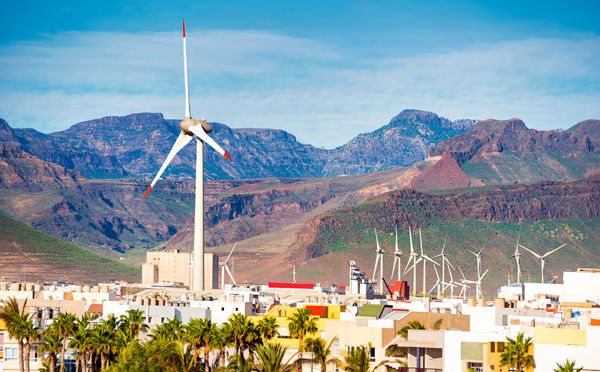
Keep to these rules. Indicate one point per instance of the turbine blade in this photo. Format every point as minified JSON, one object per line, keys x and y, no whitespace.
{"x":394,"y":265}
{"x":396,"y":248}
{"x":530,"y":251}
{"x":375,"y":269}
{"x":201,"y":134}
{"x":483,"y":274}
{"x":182,"y":140}
{"x":554,"y":250}
{"x":229,"y":273}
{"x":230,"y":252}
{"x":412,"y":249}
{"x":421,"y":241}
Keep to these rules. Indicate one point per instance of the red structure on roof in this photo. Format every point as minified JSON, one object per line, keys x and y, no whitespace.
{"x":96,"y":309}
{"x":317,"y":310}
{"x":291,"y":285}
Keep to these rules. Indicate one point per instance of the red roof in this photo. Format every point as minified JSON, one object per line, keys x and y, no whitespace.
{"x":316,"y":310}
{"x":96,"y":309}
{"x":292,"y":285}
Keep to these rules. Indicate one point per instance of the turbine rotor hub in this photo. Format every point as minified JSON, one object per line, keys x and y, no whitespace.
{"x":188,"y":122}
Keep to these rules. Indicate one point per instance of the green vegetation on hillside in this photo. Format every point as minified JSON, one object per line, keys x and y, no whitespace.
{"x":57,"y":258}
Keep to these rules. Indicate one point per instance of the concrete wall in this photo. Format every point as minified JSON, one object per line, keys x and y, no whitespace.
{"x":548,"y":353}
{"x":174,"y":267}
{"x":581,"y":286}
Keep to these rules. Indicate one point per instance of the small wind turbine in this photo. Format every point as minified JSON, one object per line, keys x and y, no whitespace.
{"x":397,"y":259}
{"x":542,"y":258}
{"x":463,"y":285}
{"x":198,"y":129}
{"x":224,"y":268}
{"x":424,"y":258}
{"x":478,"y":255}
{"x":517,"y":256}
{"x":379,"y":260}
{"x":477,"y":284}
{"x":444,"y":261}
{"x":413,"y":259}
{"x":437,"y":283}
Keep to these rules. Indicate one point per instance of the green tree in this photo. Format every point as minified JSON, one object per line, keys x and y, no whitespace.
{"x":270,"y":358}
{"x":65,"y":326}
{"x":321,"y":352}
{"x":238,"y":363}
{"x":51,"y":344}
{"x":243,"y":332}
{"x":15,"y":319}
{"x":301,"y":323}
{"x":267,"y":327}
{"x":516,"y":353}
{"x":30,"y":335}
{"x":135,"y":357}
{"x":200,"y":334}
{"x":172,"y":355}
{"x":222,"y":340}
{"x":568,"y":366}
{"x":171,"y":330}
{"x":132,"y":323}
{"x":357,"y":360}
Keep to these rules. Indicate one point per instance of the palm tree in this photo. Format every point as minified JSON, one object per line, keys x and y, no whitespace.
{"x":171,"y":330}
{"x":267,"y":327}
{"x":78,"y":343}
{"x":568,"y":366}
{"x":221,"y":340}
{"x":416,"y":325}
{"x":15,"y":319}
{"x":301,"y":323}
{"x":52,"y":345}
{"x":516,"y":353}
{"x":237,"y":363}
{"x":321,"y":353}
{"x":357,"y":360}
{"x":270,"y":358}
{"x":200,"y":334}
{"x":65,"y":326}
{"x":173,"y":355}
{"x":243,"y":332}
{"x":133,"y":322}
{"x":30,"y":334}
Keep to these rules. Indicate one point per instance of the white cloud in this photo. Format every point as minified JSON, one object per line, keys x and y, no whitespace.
{"x":320,"y":93}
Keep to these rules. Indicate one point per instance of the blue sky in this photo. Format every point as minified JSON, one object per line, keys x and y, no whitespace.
{"x":323,"y":70}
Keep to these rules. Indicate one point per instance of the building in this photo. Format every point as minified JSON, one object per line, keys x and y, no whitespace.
{"x":176,"y":267}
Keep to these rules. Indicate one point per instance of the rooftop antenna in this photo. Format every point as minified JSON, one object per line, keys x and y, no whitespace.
{"x":542,"y":258}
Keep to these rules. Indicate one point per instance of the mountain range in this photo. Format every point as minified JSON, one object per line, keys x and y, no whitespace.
{"x":83,"y":185}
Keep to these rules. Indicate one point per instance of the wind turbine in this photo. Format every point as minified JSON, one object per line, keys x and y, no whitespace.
{"x":398,"y":259}
{"x":225,"y":268}
{"x":477,"y":283}
{"x":478,"y":255}
{"x":444,"y":261}
{"x":517,"y":256}
{"x":542,"y":258}
{"x":463,"y":285}
{"x":199,"y":129}
{"x":413,"y":259}
{"x":437,"y":283}
{"x":379,"y":260}
{"x":424,"y":258}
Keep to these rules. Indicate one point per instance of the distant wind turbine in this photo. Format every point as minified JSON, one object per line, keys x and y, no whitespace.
{"x":379,"y":252}
{"x":542,"y":258}
{"x":517,"y":256}
{"x":397,"y":259}
{"x":224,"y":268}
{"x":413,"y":259}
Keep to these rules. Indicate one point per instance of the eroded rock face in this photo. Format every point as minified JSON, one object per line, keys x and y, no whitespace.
{"x":404,"y":208}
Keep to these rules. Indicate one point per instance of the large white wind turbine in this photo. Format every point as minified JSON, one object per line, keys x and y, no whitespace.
{"x":225,"y":268}
{"x":379,"y":260}
{"x":542,"y":258}
{"x":517,"y":256}
{"x":462,"y":284}
{"x":413,"y":259}
{"x":199,"y":129}
{"x":397,"y":259}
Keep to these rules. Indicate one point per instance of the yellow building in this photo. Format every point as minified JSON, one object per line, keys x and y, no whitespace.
{"x":491,"y":357}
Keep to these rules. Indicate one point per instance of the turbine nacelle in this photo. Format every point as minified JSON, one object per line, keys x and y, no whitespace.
{"x":187,"y":123}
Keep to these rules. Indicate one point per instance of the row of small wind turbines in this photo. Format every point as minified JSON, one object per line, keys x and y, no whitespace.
{"x":441,"y":284}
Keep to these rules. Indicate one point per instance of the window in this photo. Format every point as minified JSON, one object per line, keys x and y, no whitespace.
{"x":500,"y":347}
{"x":492,"y":347}
{"x":11,"y":353}
{"x":372,"y":353}
{"x":336,"y":346}
{"x":222,"y":309}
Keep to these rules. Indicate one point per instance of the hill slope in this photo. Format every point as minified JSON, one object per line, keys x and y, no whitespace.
{"x":30,"y":255}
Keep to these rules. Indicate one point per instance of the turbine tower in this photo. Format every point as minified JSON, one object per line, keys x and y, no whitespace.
{"x":199,"y":129}
{"x":542,"y":258}
{"x":413,"y":259}
{"x":379,"y":260}
{"x":397,"y":259}
{"x":517,"y":256}
{"x":224,"y":268}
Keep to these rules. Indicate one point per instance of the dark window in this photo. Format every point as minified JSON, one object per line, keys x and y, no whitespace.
{"x":492,"y":347}
{"x":500,"y":347}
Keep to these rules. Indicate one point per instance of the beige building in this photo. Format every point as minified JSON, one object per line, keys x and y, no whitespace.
{"x":175,"y":267}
